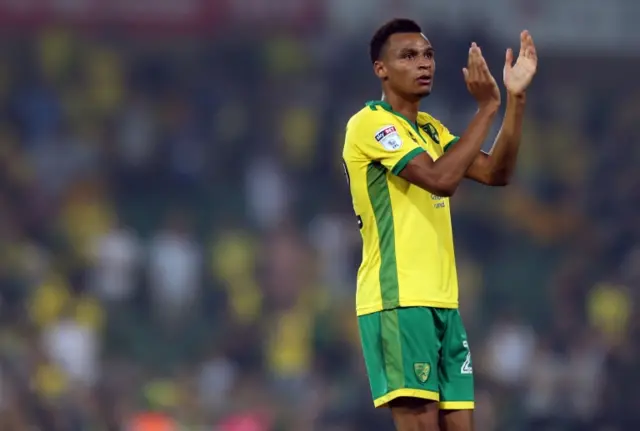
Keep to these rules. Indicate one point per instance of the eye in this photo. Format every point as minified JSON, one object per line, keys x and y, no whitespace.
{"x":429,"y":54}
{"x":408,"y":55}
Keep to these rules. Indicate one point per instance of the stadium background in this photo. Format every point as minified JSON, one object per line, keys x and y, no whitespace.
{"x":176,"y":236}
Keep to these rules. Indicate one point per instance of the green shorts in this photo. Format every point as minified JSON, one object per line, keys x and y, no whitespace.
{"x":418,"y":352}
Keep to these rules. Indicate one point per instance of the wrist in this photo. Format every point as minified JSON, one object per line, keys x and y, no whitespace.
{"x":517,"y":97}
{"x":489,"y":107}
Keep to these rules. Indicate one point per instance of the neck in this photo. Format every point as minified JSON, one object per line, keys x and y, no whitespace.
{"x":405,"y":107}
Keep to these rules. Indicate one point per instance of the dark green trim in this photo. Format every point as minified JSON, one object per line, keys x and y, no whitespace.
{"x":453,"y":141}
{"x":392,"y":350}
{"x":402,"y":163}
{"x":387,"y":107}
{"x":378,"y":189}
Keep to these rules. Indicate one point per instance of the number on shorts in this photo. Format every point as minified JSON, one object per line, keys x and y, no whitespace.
{"x":466,"y":366}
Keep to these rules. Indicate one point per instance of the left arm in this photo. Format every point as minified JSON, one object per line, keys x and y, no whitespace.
{"x":496,"y":167}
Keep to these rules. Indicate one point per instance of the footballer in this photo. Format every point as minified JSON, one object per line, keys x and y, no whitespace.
{"x":402,"y":166}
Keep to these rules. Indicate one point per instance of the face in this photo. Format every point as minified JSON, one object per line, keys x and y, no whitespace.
{"x":407,"y":65}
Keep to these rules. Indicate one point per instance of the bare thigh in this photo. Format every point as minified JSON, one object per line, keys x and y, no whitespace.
{"x":414,"y":414}
{"x":456,"y":420}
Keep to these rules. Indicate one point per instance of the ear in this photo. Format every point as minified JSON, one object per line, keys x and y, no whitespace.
{"x":380,"y":70}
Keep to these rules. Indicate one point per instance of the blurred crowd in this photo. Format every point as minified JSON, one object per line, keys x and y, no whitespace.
{"x":178,"y":249}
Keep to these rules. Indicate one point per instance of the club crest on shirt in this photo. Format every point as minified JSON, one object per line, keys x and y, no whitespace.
{"x":422,"y":370}
{"x":389,"y":138}
{"x":432,"y":132}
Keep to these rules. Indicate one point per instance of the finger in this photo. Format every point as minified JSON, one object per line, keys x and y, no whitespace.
{"x":472,"y":67}
{"x":466,"y":70}
{"x":532,"y":47}
{"x":484,"y":71}
{"x":473,"y":56}
{"x":471,"y":48}
{"x":527,"y":40}
{"x":470,"y":56}
{"x":479,"y":60}
{"x":477,"y":56}
{"x":476,"y":65}
{"x":473,"y":52}
{"x":523,"y":41}
{"x":508,"y":59}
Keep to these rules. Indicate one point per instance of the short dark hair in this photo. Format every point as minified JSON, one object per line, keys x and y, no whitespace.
{"x":382,"y":35}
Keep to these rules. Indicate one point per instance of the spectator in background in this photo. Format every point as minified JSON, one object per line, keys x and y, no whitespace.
{"x":544,"y":397}
{"x":509,"y":350}
{"x":72,"y":341}
{"x":175,"y":269}
{"x":333,"y":237}
{"x":292,"y":307}
{"x":185,"y":144}
{"x":584,"y":379}
{"x":268,"y":193}
{"x":116,"y":257}
{"x":135,"y":135}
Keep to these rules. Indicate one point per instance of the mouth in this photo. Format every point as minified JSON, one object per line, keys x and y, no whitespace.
{"x":424,"y":79}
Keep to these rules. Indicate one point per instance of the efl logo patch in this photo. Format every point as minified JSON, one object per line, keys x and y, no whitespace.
{"x":389,"y":138}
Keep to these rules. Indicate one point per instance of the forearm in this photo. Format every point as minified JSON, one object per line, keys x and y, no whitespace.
{"x":453,"y":165}
{"x":443,"y":176}
{"x":504,"y":152}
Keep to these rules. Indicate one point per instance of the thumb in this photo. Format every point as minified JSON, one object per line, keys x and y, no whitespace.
{"x":465,"y":72}
{"x":508,"y":60}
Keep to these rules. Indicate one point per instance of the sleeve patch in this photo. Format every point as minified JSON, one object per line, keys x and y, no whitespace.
{"x":432,"y":132}
{"x":389,"y":138}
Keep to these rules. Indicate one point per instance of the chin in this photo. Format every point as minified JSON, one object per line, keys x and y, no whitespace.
{"x":423,"y":93}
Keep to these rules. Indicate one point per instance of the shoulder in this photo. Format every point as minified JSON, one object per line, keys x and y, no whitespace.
{"x":369,"y":118}
{"x":370,"y":125}
{"x":432,"y":126}
{"x":424,"y":119}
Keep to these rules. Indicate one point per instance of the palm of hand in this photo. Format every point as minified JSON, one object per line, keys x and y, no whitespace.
{"x":518,"y":77}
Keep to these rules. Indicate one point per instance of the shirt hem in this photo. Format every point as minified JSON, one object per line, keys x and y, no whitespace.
{"x":369,"y":309}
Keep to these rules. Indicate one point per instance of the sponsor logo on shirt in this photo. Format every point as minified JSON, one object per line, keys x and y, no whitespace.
{"x":389,"y":138}
{"x":439,"y":201}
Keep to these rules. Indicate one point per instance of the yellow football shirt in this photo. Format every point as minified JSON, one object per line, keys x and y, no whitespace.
{"x":408,"y":255}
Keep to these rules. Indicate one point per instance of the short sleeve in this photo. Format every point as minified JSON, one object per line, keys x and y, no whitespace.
{"x":387,"y":143}
{"x":447,"y":139}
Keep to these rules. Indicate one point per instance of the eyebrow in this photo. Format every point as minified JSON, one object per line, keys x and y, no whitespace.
{"x":411,"y":49}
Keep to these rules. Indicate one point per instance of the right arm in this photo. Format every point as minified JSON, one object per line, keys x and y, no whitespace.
{"x":442,"y":177}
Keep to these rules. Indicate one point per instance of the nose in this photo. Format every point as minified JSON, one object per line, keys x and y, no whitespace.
{"x":425,"y":64}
